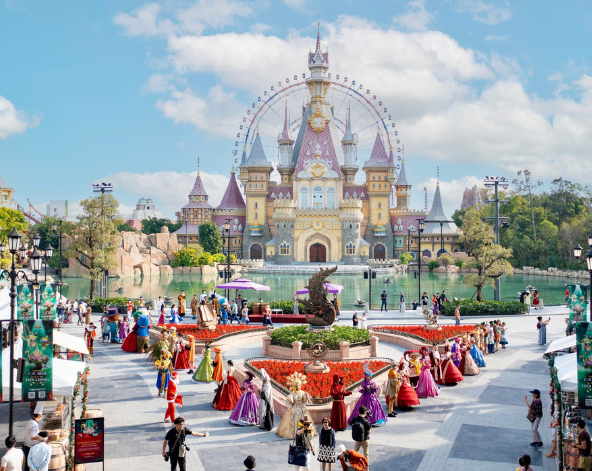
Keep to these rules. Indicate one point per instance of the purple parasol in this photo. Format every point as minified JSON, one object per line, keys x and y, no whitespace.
{"x":330,"y":286}
{"x":243,"y":283}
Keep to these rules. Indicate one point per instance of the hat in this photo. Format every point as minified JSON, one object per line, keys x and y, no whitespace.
{"x":174,"y":374}
{"x":535,"y":391}
{"x":340,"y":450}
{"x":307,"y":419}
{"x":250,"y":462}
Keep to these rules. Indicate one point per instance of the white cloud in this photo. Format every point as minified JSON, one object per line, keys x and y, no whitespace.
{"x":415,"y":17}
{"x":451,"y":192}
{"x":144,"y":21}
{"x":169,"y":190}
{"x":296,"y":4}
{"x":13,"y":121}
{"x":493,"y":37}
{"x":486,"y":13}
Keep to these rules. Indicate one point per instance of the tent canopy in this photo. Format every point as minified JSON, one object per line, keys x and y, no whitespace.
{"x":70,"y":342}
{"x":332,"y":288}
{"x":561,"y":343}
{"x":567,"y":372}
{"x":243,"y":283}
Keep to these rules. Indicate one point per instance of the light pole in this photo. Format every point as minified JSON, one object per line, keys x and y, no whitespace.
{"x":577,"y":254}
{"x":14,"y":240}
{"x":47,"y":257}
{"x":420,"y":229}
{"x":227,"y":274}
{"x":54,"y":229}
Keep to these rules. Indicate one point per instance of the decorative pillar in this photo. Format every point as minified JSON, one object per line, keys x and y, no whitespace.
{"x":373,"y":346}
{"x":344,"y":350}
{"x":296,"y":350}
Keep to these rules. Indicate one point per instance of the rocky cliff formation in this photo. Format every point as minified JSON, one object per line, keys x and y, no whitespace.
{"x":472,"y":197}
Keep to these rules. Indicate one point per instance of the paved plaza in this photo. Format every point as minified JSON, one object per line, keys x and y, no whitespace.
{"x":479,"y":424}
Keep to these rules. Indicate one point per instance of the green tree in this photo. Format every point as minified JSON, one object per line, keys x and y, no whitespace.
{"x":528,"y":186}
{"x":210,"y":237}
{"x":186,"y":258}
{"x":10,"y":218}
{"x":406,"y":258}
{"x":445,"y":260}
{"x":154,"y":225}
{"x":49,"y":238}
{"x":125,"y":227}
{"x":91,"y":244}
{"x":490,"y":259}
{"x":432,"y":264}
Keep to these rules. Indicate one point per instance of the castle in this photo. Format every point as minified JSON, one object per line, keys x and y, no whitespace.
{"x":317,"y":213}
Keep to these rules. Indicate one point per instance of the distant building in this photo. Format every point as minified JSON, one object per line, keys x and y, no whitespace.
{"x":58,"y":208}
{"x":440,"y":235}
{"x":145,"y":209}
{"x":6,"y":195}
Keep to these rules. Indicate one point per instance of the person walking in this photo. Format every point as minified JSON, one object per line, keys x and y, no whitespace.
{"x":424,"y":301}
{"x":355,"y":319}
{"x":351,"y":460}
{"x":234,"y":312}
{"x":40,"y":455}
{"x":402,"y":302}
{"x":327,"y":445}
{"x":535,"y":415}
{"x":457,"y":315}
{"x":583,"y":445}
{"x":361,"y":432}
{"x":542,"y":328}
{"x":194,"y":304}
{"x":383,"y":298}
{"x":303,"y":438}
{"x":175,"y":439}
{"x":31,"y":437}
{"x":13,"y":459}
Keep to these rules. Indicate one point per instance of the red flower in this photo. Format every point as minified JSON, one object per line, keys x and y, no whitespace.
{"x":428,"y":336}
{"x":211,"y":335}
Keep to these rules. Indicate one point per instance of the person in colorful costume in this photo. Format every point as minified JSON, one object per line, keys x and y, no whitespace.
{"x":468,"y":367}
{"x":181,"y":298}
{"x":266,"y":411}
{"x":89,"y":335}
{"x":246,"y":410}
{"x":370,"y":400}
{"x":435,"y":363}
{"x":191,"y":354}
{"x":426,"y":386}
{"x":194,"y":304}
{"x":181,"y":360}
{"x":338,"y":413}
{"x":392,"y":389}
{"x":163,"y":371}
{"x":477,"y":354}
{"x":203,"y":373}
{"x":450,"y":373}
{"x":296,"y":402}
{"x":407,"y":397}
{"x":123,"y":330}
{"x":174,"y":399}
{"x":130,"y":344}
{"x":217,"y":374}
{"x":229,"y":391}
{"x":455,"y":352}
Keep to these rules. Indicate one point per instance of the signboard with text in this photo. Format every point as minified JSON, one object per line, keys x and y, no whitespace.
{"x":584,"y":357}
{"x":25,"y":306}
{"x":578,"y":295}
{"x":47,"y":301}
{"x":89,"y":440}
{"x":38,"y":354}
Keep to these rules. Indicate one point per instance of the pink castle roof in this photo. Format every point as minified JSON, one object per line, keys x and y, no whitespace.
{"x":355,"y":192}
{"x":237,"y":223}
{"x":406,"y":222}
{"x":198,"y":188}
{"x":309,"y":147}
{"x":378,"y":157}
{"x":286,"y":192}
{"x":232,"y":198}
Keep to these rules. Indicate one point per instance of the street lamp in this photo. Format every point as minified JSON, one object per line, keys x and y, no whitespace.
{"x":59,"y":235}
{"x":577,"y":250}
{"x":420,"y":229}
{"x":227,"y":274}
{"x":36,"y":240}
{"x":14,"y":241}
{"x":47,"y":256}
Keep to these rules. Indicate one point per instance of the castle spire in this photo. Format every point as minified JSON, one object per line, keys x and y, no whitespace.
{"x":318,"y":37}
{"x":285,"y":137}
{"x":349,"y":135}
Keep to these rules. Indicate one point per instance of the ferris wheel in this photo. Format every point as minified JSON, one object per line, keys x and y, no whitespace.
{"x":368,"y":116}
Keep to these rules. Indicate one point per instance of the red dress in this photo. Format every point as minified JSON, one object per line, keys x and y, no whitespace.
{"x":338,"y":413}
{"x":230,"y":394}
{"x":407,"y":396}
{"x":450,"y":373}
{"x":182,"y":361}
{"x":130,"y":344}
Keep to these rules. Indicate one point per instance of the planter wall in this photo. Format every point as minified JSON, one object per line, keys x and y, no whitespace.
{"x":296,"y":352}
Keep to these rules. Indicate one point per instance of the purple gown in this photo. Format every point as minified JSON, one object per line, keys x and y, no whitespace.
{"x":368,"y":399}
{"x":426,"y":386}
{"x":245,"y":412}
{"x":456,"y":356}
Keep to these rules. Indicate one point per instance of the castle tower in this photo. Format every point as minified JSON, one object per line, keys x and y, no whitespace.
{"x":351,"y":220}
{"x":234,"y":209}
{"x":318,"y":64}
{"x":286,"y":148}
{"x":403,"y":190}
{"x":349,"y":144}
{"x":194,"y":213}
{"x":441,"y":232}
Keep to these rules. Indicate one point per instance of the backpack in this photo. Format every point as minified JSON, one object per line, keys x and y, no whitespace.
{"x":358,"y":432}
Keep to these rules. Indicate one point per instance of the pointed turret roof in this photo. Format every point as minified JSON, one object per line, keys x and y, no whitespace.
{"x":318,"y":37}
{"x":402,"y":180}
{"x":198,"y":188}
{"x":257,"y":156}
{"x":4,"y":185}
{"x":349,"y":136}
{"x":232,"y":198}
{"x":378,"y":157}
{"x":437,"y":216}
{"x":243,"y":161}
{"x":285,"y":137}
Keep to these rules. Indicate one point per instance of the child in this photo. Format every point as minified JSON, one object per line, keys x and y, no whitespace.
{"x":123,"y":329}
{"x":89,"y":336}
{"x":161,"y":318}
{"x":106,"y":327}
{"x":504,"y":340}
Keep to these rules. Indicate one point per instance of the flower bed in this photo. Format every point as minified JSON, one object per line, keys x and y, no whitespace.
{"x":284,"y":336}
{"x":420,"y":333}
{"x":220,"y":332}
{"x":318,"y":385}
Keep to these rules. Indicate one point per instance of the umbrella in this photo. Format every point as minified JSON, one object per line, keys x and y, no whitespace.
{"x":330,"y":286}
{"x":243,"y":283}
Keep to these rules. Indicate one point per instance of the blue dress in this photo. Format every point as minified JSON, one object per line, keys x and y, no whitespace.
{"x":543,"y":334}
{"x":478,"y":356}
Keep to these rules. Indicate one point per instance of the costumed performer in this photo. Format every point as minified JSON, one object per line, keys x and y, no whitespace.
{"x":455,"y":352}
{"x":173,"y":399}
{"x":123,"y":330}
{"x":351,"y":460}
{"x":450,"y":373}
{"x":191,"y":354}
{"x":246,"y":410}
{"x":338,"y":413}
{"x":426,"y":386}
{"x":181,"y":298}
{"x":407,"y":397}
{"x":114,"y":327}
{"x":130,"y":344}
{"x":181,"y":354}
{"x":230,"y":390}
{"x":163,"y":371}
{"x":468,"y":365}
{"x":161,"y":318}
{"x":265,"y":411}
{"x":203,"y":373}
{"x":370,"y":401}
{"x":392,"y":389}
{"x":194,"y":304}
{"x":218,"y":366}
{"x":435,"y":363}
{"x":416,"y":365}
{"x":477,"y":354}
{"x":89,"y":335}
{"x":296,"y":402}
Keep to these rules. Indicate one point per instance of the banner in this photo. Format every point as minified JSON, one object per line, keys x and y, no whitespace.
{"x":25,"y":308}
{"x":584,"y":353}
{"x":578,"y":306}
{"x":38,"y":353}
{"x":48,"y":307}
{"x":89,"y":440}
{"x":1,"y":364}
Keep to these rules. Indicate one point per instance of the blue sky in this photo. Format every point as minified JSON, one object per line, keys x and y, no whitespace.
{"x":133,"y":92}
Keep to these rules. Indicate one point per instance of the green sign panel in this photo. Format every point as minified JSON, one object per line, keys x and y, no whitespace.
{"x":48,"y":305}
{"x":25,"y":306}
{"x":578,"y":305}
{"x":38,"y":354}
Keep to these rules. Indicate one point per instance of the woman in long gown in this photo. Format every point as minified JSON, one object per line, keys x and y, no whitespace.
{"x":426,"y":386}
{"x":130,"y":344}
{"x":203,"y":373}
{"x":369,"y":399}
{"x":265,"y":411}
{"x":407,"y":397}
{"x":230,"y":391}
{"x":542,"y":326}
{"x":296,"y":402}
{"x":245,"y":411}
{"x":468,"y":365}
{"x":450,"y":373}
{"x":181,"y":355}
{"x":338,"y":414}
{"x":477,"y":355}
{"x":218,"y":366}
{"x":392,"y":389}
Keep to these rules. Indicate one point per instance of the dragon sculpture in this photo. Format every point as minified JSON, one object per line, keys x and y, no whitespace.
{"x":318,"y":304}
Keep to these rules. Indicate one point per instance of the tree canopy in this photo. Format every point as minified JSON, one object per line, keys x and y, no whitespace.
{"x":154,"y":225}
{"x":210,"y":237}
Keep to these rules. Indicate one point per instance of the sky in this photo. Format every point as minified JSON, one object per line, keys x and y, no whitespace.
{"x":132,"y":92}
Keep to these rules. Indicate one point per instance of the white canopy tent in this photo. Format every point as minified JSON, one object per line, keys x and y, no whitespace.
{"x":561,"y":343}
{"x":567,"y":372}
{"x":65,"y":374}
{"x":70,"y":342}
{"x":4,"y":304}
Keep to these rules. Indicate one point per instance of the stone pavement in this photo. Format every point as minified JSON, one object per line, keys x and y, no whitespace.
{"x":478,"y":424}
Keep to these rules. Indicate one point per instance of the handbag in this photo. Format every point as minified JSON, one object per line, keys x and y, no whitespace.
{"x":531,"y":416}
{"x":297,"y":455}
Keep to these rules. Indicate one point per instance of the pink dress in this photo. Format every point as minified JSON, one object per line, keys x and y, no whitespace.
{"x":426,"y":386}
{"x":123,"y":331}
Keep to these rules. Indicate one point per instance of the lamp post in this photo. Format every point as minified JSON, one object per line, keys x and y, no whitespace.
{"x":54,"y":229}
{"x":577,"y":254}
{"x":14,"y":240}
{"x":47,"y":257}
{"x":420,"y":229}
{"x":227,"y":274}
{"x":186,"y":228}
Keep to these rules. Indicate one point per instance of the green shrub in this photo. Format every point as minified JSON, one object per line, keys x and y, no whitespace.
{"x":287,"y":306}
{"x":186,"y":258}
{"x":98,"y":304}
{"x":469,"y":307}
{"x":219,"y":258}
{"x":286,"y":335}
{"x":459,"y":263}
{"x":205,"y":259}
{"x":432,"y":264}
{"x":405,"y":258}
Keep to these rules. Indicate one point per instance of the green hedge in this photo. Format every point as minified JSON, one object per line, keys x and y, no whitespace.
{"x":286,"y":335}
{"x":469,"y":307}
{"x":287,"y":306}
{"x":98,"y":304}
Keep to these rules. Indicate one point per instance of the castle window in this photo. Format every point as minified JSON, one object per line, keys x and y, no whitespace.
{"x":250,"y":186}
{"x":331,"y":198}
{"x":317,"y":198}
{"x":379,"y":177}
{"x":256,"y":205}
{"x":304,"y":198}
{"x":379,"y":205}
{"x":379,"y":216}
{"x":350,"y":249}
{"x":256,"y":216}
{"x":285,"y":249}
{"x":250,"y":177}
{"x":256,"y":177}
{"x":373,"y":186}
{"x":379,"y":186}
{"x":373,"y":177}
